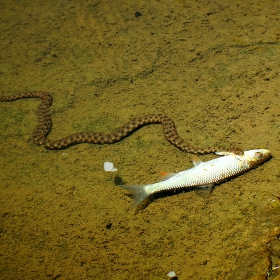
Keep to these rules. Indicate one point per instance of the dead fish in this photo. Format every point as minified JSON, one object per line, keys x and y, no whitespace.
{"x":203,"y":174}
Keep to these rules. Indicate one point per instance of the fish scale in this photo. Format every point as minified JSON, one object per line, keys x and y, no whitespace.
{"x":203,"y":173}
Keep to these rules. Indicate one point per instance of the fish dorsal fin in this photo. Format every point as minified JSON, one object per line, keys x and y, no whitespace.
{"x":196,"y":160}
{"x":164,"y":175}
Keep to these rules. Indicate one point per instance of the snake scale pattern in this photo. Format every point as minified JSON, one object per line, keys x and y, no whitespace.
{"x":45,"y":125}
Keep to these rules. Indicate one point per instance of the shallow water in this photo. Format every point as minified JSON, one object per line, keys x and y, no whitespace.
{"x":213,"y":67}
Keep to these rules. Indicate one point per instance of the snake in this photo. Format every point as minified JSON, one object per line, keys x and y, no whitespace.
{"x":45,"y":125}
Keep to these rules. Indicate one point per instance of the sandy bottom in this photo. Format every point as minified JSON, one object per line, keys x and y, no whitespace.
{"x":212,"y":66}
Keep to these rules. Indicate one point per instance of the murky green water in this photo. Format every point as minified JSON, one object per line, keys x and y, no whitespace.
{"x":212,"y":67}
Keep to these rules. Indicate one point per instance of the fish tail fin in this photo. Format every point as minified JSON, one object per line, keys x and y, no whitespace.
{"x":138,"y":193}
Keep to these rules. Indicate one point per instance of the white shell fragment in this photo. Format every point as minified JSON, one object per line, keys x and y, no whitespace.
{"x":109,"y":167}
{"x":171,"y":274}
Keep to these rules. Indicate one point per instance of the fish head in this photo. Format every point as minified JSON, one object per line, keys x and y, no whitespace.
{"x":256,"y":157}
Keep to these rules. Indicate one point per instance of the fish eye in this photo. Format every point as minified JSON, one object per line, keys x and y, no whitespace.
{"x":258,"y":155}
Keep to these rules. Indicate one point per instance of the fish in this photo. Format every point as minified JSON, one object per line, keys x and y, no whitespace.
{"x":203,"y":174}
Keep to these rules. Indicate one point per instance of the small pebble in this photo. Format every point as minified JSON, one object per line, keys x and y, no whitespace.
{"x":109,"y":167}
{"x":171,"y":274}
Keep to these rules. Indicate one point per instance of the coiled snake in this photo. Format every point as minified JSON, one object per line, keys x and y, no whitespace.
{"x":45,"y":125}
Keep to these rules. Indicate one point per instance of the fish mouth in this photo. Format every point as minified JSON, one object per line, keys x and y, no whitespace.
{"x":266,"y":154}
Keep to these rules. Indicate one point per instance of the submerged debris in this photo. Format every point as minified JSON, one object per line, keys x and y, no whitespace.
{"x":109,"y":167}
{"x":171,"y":274}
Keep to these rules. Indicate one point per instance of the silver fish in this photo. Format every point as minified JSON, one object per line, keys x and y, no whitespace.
{"x":203,"y":174}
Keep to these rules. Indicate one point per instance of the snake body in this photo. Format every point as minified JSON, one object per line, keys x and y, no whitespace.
{"x":45,"y":125}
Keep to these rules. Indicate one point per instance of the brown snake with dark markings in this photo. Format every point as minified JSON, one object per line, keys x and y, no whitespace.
{"x":45,"y":125}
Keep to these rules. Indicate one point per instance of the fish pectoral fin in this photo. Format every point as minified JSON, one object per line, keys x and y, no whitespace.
{"x":164,"y":175}
{"x":204,"y":191}
{"x":196,"y":160}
